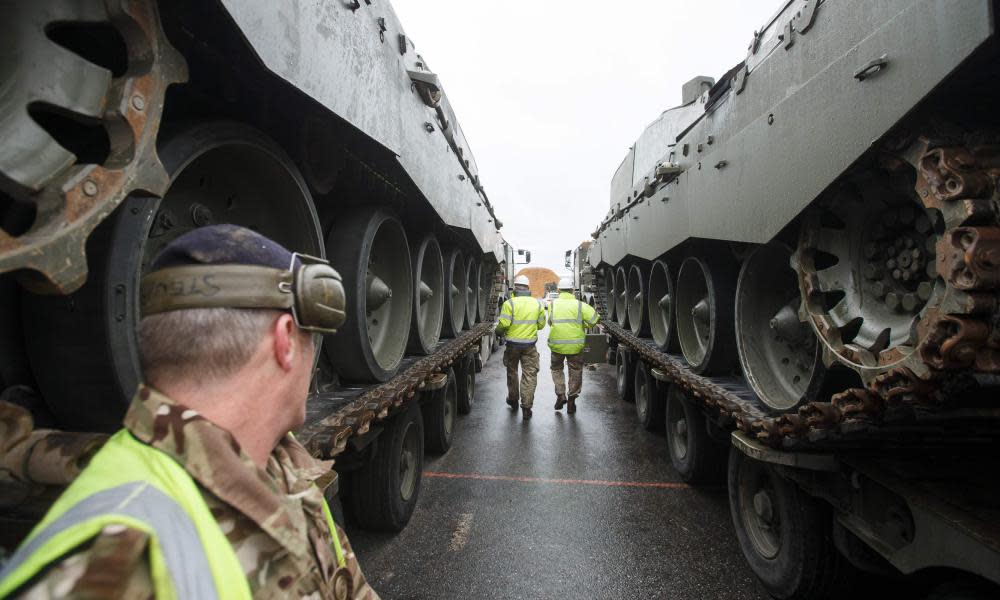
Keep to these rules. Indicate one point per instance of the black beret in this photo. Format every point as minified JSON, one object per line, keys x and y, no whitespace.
{"x":223,"y":245}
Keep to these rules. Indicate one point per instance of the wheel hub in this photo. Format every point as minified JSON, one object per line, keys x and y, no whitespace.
{"x":763,"y":506}
{"x":778,"y":351}
{"x":758,"y":509}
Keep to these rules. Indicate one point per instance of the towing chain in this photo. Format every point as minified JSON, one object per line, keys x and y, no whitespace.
{"x":960,"y":337}
{"x":328,"y":437}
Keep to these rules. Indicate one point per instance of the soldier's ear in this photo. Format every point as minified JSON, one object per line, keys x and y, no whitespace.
{"x":286,"y":342}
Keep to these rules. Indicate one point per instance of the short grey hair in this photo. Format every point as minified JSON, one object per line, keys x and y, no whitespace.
{"x":201,"y":343}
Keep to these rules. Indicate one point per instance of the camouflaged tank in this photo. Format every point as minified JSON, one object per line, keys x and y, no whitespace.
{"x":126,"y":123}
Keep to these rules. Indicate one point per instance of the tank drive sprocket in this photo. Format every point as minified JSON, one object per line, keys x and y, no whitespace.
{"x":898,"y":266}
{"x":83,"y":99}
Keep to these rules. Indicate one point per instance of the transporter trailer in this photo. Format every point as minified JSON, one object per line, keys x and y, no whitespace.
{"x":799,"y":275}
{"x":126,"y":123}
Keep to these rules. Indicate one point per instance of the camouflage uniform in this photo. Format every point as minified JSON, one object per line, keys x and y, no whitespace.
{"x":575,"y":364}
{"x":527,"y":356}
{"x":273,"y":517}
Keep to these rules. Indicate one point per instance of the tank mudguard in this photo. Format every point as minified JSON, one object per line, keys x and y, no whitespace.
{"x":355,"y":59}
{"x":817,"y":91}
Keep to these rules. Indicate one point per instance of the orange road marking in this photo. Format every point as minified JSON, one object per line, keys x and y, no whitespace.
{"x":661,"y":485}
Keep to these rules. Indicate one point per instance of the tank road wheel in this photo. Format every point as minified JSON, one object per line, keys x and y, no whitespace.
{"x":439,"y":416}
{"x":609,"y":294}
{"x":648,"y":400}
{"x":83,"y":346}
{"x":786,"y":536}
{"x":636,"y":297}
{"x":621,"y":296}
{"x":428,"y":296}
{"x":455,"y":293}
{"x":661,"y":307}
{"x":385,"y":490}
{"x":466,"y":384}
{"x":83,"y":94}
{"x":472,"y":270}
{"x":368,"y":248}
{"x":696,"y":457}
{"x":705,"y":315}
{"x":779,"y":353}
{"x":624,"y":375}
{"x":867,"y":270}
{"x":487,"y":272}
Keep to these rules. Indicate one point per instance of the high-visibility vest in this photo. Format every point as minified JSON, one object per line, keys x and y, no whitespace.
{"x":520,"y":319}
{"x":133,"y":484}
{"x":568,"y":320}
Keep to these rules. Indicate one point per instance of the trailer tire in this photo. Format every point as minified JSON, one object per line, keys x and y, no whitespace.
{"x":625,"y":376}
{"x":793,"y":561}
{"x":648,"y":399}
{"x":439,"y":413}
{"x":466,"y":385}
{"x":385,"y":491}
{"x":696,"y":457}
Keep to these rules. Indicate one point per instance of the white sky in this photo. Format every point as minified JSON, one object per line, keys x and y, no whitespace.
{"x":552,"y":93}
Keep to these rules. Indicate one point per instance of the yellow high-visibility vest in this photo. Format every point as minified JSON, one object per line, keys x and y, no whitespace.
{"x":133,"y":484}
{"x":520,"y":319}
{"x":569,"y":319}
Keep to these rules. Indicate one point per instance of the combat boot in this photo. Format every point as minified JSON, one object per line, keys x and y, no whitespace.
{"x":512,"y":403}
{"x":560,"y":401}
{"x":526,"y":412}
{"x":572,"y":405}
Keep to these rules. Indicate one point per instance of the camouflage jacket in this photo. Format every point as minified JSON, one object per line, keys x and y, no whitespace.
{"x":272,"y":517}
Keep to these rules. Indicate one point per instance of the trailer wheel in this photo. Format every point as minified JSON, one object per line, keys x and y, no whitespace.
{"x":624,"y":373}
{"x":648,"y":402}
{"x":466,"y":385}
{"x":386,"y":489}
{"x":439,"y":416}
{"x":784,"y":534}
{"x":696,"y":457}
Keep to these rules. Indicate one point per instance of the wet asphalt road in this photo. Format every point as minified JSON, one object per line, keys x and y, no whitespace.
{"x":492,"y":523}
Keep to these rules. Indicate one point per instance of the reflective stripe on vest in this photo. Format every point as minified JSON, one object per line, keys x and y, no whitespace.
{"x":567,"y":334}
{"x":578,"y":319}
{"x":175,"y":532}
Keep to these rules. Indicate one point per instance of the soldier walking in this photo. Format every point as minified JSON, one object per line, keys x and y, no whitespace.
{"x":520,"y":319}
{"x":204,"y":493}
{"x":569,"y":319}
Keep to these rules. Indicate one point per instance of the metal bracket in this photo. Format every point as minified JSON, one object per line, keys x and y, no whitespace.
{"x":435,"y":381}
{"x":800,"y":460}
{"x":807,"y":16}
{"x":872,"y":67}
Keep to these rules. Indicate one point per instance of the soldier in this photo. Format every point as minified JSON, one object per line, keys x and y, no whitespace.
{"x":520,"y":319}
{"x":205,"y":493}
{"x":569,"y":319}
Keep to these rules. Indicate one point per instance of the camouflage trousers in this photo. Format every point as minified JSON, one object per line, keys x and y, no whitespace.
{"x":527,"y":357}
{"x":575,"y":364}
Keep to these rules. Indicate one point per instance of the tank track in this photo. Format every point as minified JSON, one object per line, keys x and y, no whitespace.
{"x":959,"y":354}
{"x":329,"y":436}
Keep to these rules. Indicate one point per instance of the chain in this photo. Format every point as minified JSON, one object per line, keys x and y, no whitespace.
{"x":328,"y":437}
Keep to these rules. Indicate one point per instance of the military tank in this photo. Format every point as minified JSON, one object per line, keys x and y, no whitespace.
{"x":126,"y":123}
{"x":802,"y":259}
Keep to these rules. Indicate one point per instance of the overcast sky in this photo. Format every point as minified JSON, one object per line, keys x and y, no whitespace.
{"x":551,"y":94}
